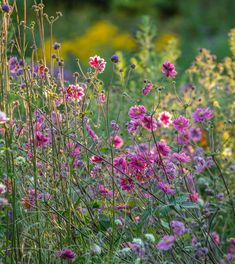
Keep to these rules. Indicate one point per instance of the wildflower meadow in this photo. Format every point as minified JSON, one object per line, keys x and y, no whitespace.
{"x":130,"y":160}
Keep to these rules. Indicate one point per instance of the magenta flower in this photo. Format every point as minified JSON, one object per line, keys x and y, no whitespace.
{"x":202,"y":114}
{"x":96,"y":159}
{"x":182,"y":157}
{"x":184,"y":137}
{"x":3,"y":118}
{"x":127,"y":184}
{"x":91,"y":133}
{"x":181,"y":123}
{"x":168,"y":69}
{"x":165,"y":118}
{"x":193,"y":197}
{"x":163,"y":148}
{"x":75,"y":92}
{"x":166,"y":188}
{"x":117,"y":141}
{"x":150,"y":123}
{"x":98,"y":63}
{"x":66,"y":254}
{"x":137,"y":112}
{"x":178,"y":227}
{"x":105,"y":191}
{"x":216,"y":238}
{"x":148,"y":87}
{"x":132,"y":126}
{"x":166,"y":243}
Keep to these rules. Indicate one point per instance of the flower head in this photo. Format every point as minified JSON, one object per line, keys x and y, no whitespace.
{"x":117,"y":141}
{"x":165,"y":119}
{"x":181,"y":123}
{"x":181,"y":157}
{"x":115,"y":58}
{"x":150,"y":123}
{"x":202,"y":114}
{"x":2,"y":188}
{"x":6,"y":8}
{"x":166,"y":188}
{"x":168,"y":69}
{"x":75,"y":92}
{"x":98,"y":63}
{"x":148,"y":87}
{"x":66,"y":254}
{"x":3,"y":118}
{"x":178,"y":228}
{"x":137,"y":112}
{"x":166,"y":243}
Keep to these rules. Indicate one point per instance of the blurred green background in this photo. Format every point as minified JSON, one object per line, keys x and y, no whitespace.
{"x":103,"y":27}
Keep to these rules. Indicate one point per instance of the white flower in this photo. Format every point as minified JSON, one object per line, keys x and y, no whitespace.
{"x":150,"y":237}
{"x":2,"y":188}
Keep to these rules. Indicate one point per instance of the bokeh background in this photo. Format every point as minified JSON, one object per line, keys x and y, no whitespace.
{"x":103,"y":27}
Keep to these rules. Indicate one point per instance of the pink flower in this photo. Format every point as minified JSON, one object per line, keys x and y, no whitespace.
{"x":216,"y":238}
{"x":165,"y":119}
{"x":163,"y":148}
{"x":181,"y":157}
{"x":3,"y":118}
{"x":148,"y":87}
{"x":91,"y":133}
{"x":75,"y":92}
{"x":98,"y":63}
{"x":184,"y":137}
{"x":96,"y":159}
{"x":166,"y":243}
{"x":102,"y":98}
{"x":181,"y":123}
{"x":166,"y":188}
{"x":150,"y":123}
{"x":193,"y":197}
{"x":168,"y":69}
{"x":195,"y":133}
{"x":117,"y":141}
{"x":66,"y":254}
{"x":137,"y":112}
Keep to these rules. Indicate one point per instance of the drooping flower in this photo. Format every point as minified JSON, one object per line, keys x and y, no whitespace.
{"x":137,"y":112}
{"x":166,"y":188}
{"x":96,"y":159}
{"x":3,"y":118}
{"x":91,"y":133}
{"x":178,"y":227}
{"x":181,"y":123}
{"x":148,"y":87}
{"x":98,"y":63}
{"x":150,"y":123}
{"x":166,"y":243}
{"x":66,"y":254}
{"x":165,"y":119}
{"x":75,"y":92}
{"x":168,"y":69}
{"x":181,"y":157}
{"x":202,"y":114}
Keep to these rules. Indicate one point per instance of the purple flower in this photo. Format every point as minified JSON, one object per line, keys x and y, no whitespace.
{"x":115,"y":58}
{"x":181,"y":123}
{"x":91,"y":133}
{"x":137,"y":112}
{"x":163,"y":148}
{"x":168,"y":69}
{"x":178,"y":228}
{"x":202,"y":114}
{"x":166,"y":243}
{"x":13,"y":66}
{"x":181,"y":157}
{"x":184,"y":137}
{"x":66,"y":254}
{"x":132,"y":126}
{"x":195,"y":133}
{"x":166,"y":188}
{"x":6,"y":8}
